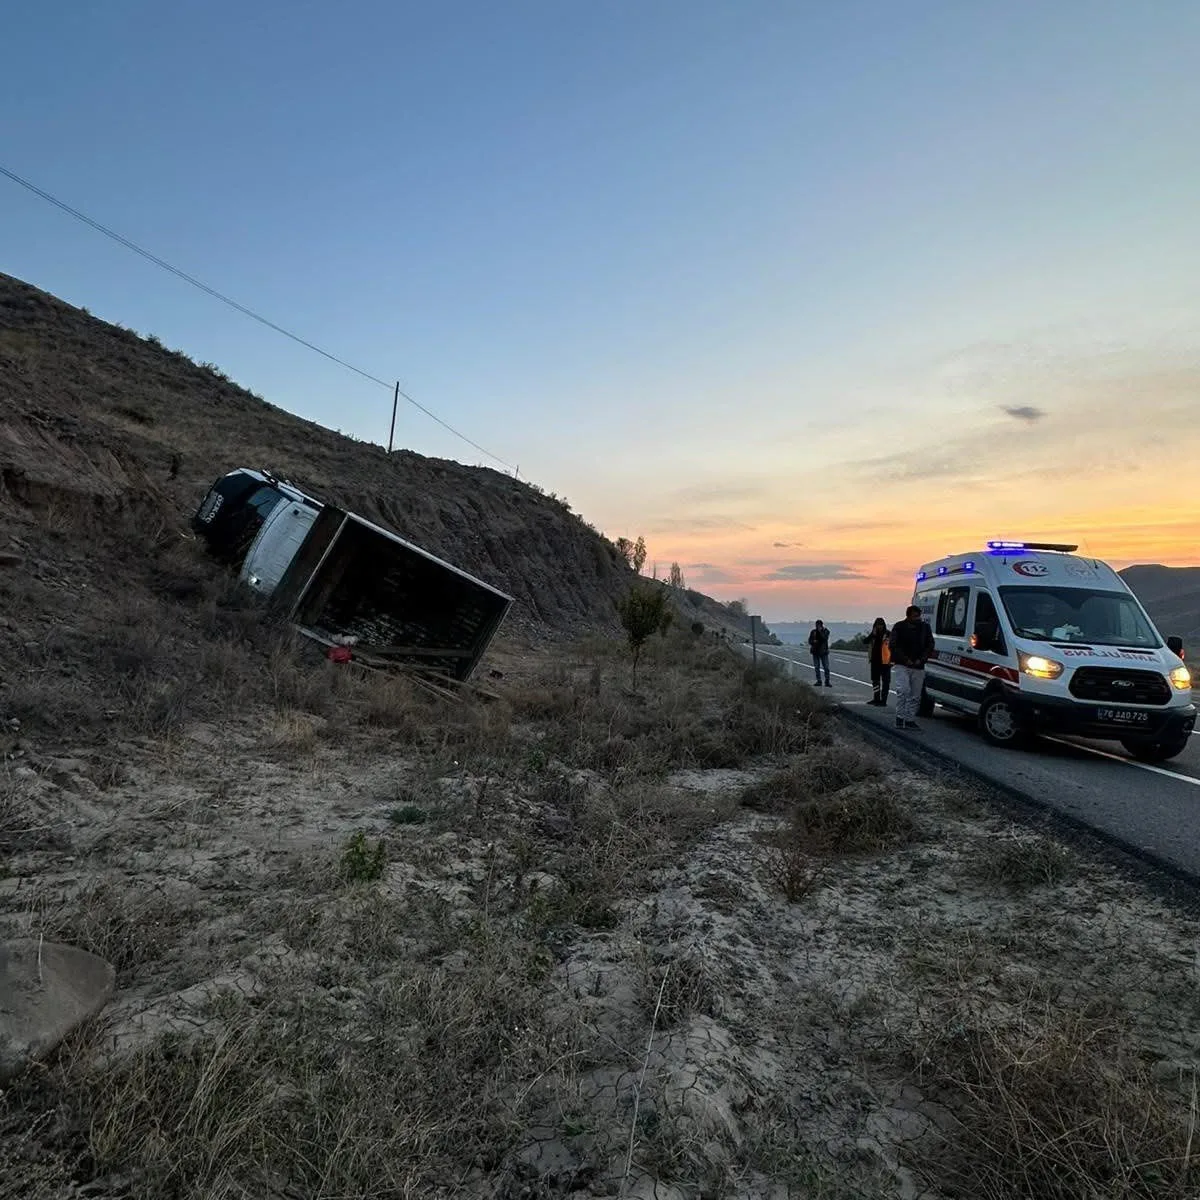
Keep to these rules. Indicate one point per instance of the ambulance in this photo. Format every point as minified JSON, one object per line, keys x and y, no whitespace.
{"x":1032,"y":638}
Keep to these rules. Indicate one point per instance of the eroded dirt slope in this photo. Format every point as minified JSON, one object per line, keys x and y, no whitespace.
{"x":94,"y":415}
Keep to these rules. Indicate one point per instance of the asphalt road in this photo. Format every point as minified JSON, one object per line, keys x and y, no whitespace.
{"x":1153,"y":810}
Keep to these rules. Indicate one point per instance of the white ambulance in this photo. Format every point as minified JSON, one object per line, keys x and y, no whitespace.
{"x":1030,"y":637}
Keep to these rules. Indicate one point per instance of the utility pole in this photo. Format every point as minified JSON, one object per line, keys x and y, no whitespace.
{"x":754,"y":639}
{"x":395,"y":404}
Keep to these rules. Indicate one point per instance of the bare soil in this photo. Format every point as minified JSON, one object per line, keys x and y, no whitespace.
{"x":544,"y":946}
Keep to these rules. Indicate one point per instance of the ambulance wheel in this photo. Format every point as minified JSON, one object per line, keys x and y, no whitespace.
{"x":1151,"y":752}
{"x":925,"y":705}
{"x":998,"y":722}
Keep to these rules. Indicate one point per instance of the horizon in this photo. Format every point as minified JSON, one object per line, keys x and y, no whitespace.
{"x":804,"y":297}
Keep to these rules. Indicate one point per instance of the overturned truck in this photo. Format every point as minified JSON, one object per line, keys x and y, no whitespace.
{"x":341,"y":579}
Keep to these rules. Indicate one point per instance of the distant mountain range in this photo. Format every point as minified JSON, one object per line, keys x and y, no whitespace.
{"x":795,"y":633}
{"x":1172,"y":598}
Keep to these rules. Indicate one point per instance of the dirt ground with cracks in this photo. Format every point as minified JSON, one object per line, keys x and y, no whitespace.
{"x":697,"y":942}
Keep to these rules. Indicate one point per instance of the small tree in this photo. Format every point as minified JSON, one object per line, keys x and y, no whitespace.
{"x":644,"y":611}
{"x":639,"y":554}
{"x":625,"y":550}
{"x":676,"y":577}
{"x":738,"y":608}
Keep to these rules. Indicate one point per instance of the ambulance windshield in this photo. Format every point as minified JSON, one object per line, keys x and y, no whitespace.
{"x":1066,"y":614}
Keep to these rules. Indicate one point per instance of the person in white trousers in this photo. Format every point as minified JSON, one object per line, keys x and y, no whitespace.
{"x":911,"y":644}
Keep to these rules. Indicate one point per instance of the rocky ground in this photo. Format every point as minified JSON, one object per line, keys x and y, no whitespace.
{"x":697,"y":942}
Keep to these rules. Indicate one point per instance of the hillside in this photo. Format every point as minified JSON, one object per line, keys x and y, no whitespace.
{"x":99,"y":419}
{"x":95,"y":415}
{"x":1171,"y":596}
{"x":108,"y":441}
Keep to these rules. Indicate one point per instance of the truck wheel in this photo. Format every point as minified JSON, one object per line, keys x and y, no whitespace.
{"x":998,"y":723}
{"x":925,"y":704}
{"x":1153,"y":752}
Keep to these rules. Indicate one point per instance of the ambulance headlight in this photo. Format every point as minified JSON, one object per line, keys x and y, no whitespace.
{"x":1181,"y":678}
{"x":1039,"y":667}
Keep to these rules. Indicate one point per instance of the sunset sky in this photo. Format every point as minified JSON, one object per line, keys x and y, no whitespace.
{"x":806,"y":293}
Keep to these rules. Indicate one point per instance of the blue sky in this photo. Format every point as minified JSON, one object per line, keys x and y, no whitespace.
{"x":704,"y":268}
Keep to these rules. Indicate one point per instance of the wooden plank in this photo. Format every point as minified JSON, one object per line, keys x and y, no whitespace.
{"x":412,"y":651}
{"x":419,"y":680}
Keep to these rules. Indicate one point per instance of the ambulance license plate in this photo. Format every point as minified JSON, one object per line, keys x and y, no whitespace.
{"x":1122,"y":716}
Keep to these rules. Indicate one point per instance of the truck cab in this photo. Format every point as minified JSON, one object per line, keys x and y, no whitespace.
{"x":234,"y":516}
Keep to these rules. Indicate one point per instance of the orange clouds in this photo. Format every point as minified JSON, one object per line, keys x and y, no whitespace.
{"x":1096,"y":449}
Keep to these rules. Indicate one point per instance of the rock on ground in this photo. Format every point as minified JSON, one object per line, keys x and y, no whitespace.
{"x":46,"y":991}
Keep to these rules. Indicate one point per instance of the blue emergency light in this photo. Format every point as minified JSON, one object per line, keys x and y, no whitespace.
{"x":1008,"y":547}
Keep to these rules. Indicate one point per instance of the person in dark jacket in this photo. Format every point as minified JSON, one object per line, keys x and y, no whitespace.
{"x":818,"y":647}
{"x":879,"y":654}
{"x":911,"y":645}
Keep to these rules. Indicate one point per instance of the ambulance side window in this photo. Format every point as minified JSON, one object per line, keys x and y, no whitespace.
{"x":952,"y":612}
{"x":987,"y":635}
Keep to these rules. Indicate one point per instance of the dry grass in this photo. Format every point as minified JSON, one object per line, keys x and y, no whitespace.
{"x":1021,"y":862}
{"x":863,"y":818}
{"x":425,"y":1074}
{"x":866,"y":818}
{"x":130,"y":923}
{"x":604,"y":843}
{"x":410,"y":1041}
{"x":22,"y":828}
{"x":697,"y":708}
{"x":1058,"y":1105}
{"x":793,"y":867}
{"x":823,"y":770}
{"x":675,"y":986}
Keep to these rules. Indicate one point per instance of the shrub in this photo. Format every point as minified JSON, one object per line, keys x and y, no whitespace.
{"x":854,"y":820}
{"x":644,"y":611}
{"x":823,"y":770}
{"x":1027,"y":862}
{"x":360,"y":862}
{"x":408,"y":814}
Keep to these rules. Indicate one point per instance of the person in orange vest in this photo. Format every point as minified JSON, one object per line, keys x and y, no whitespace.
{"x":880,"y":655}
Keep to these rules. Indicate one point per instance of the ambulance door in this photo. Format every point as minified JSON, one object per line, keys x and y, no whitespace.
{"x":989,"y":645}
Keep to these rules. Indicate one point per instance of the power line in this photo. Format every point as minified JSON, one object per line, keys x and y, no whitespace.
{"x":166,"y":266}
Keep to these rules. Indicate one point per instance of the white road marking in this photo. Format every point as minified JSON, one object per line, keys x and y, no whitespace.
{"x":1129,"y":762}
{"x":851,"y":679}
{"x":798,"y":663}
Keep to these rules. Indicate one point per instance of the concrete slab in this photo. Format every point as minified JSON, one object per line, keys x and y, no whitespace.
{"x":46,"y":991}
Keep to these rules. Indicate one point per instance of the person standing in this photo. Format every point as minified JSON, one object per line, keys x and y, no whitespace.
{"x":911,"y":646}
{"x":879,"y":654}
{"x":818,"y":647}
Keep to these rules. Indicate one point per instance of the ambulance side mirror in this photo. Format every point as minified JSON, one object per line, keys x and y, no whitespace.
{"x":1175,"y":645}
